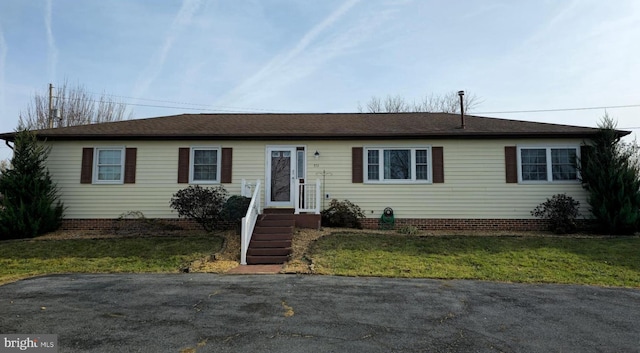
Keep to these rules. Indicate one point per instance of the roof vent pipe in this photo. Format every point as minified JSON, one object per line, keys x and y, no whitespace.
{"x":461,"y":94}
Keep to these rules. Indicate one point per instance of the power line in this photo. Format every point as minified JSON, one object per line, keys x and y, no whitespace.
{"x":207,"y":107}
{"x":560,"y":109}
{"x":212,"y":107}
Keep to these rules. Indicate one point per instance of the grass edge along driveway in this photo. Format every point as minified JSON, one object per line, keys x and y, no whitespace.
{"x":33,"y":257}
{"x":602,"y":261}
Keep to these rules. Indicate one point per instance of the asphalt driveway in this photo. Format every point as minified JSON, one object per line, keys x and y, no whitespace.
{"x":287,"y":313}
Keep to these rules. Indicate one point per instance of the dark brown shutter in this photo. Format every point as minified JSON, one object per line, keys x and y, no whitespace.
{"x":183,"y":165}
{"x":511,"y":163}
{"x":130,"y":165}
{"x":86,"y":166}
{"x":227,"y":158}
{"x":356,"y":165}
{"x":437,"y":159}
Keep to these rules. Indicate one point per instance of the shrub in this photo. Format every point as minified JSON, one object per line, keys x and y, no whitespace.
{"x":203,"y":205}
{"x":561,"y":212}
{"x":235,"y":208}
{"x":29,"y":204}
{"x":611,"y":174}
{"x":342,"y":214}
{"x":135,"y":223}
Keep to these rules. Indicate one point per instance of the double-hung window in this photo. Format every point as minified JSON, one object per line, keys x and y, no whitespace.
{"x":397,"y":165}
{"x":205,"y":165}
{"x":109,"y":165}
{"x":548,"y":164}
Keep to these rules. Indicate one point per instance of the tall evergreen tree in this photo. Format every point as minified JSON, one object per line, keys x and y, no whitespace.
{"x":30,"y":204}
{"x":611,"y":174}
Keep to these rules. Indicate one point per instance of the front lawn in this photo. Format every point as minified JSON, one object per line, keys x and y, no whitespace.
{"x":596,"y":261}
{"x":20,"y":259}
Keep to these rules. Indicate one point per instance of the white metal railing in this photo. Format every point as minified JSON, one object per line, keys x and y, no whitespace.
{"x":249,"y":221}
{"x":307,"y":197}
{"x":246,"y":189}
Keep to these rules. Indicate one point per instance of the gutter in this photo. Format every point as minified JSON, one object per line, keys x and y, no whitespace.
{"x":317,"y":137}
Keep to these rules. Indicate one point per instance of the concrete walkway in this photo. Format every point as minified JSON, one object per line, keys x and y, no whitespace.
{"x":198,"y":313}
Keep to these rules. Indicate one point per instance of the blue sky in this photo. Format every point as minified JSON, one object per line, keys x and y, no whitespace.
{"x":327,"y":56}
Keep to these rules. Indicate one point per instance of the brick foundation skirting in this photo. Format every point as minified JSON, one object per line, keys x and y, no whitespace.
{"x":302,"y":221}
{"x":368,"y":223}
{"x":464,"y":224}
{"x":110,"y":223}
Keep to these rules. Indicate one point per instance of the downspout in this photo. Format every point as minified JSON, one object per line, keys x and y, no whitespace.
{"x":6,"y":142}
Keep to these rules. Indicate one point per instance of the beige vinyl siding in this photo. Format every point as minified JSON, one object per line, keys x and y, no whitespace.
{"x":474,"y":187}
{"x":474,"y":172}
{"x":156,"y":177}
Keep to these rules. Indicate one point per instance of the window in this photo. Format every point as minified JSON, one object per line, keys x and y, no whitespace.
{"x":563,"y":163}
{"x":398,"y":164}
{"x":301,"y":163}
{"x":373,"y":166}
{"x":204,"y":167}
{"x":540,"y":164}
{"x":109,"y":165}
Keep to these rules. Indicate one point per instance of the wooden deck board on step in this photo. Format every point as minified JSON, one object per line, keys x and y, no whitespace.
{"x":271,"y":238}
{"x":269,"y":244}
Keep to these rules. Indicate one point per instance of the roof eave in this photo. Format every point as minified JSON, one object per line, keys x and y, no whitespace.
{"x":333,"y":136}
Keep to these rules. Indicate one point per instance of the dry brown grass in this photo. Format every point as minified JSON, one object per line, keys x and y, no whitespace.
{"x":226,"y":259}
{"x":302,"y":239}
{"x":223,"y":261}
{"x":229,"y":256}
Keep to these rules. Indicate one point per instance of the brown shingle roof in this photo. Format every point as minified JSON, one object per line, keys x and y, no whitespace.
{"x":317,"y":126}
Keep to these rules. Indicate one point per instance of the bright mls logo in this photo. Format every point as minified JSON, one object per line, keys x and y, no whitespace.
{"x":29,"y":343}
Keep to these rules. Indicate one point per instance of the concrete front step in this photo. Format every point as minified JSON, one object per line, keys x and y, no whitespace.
{"x":269,"y":251}
{"x":254,"y":260}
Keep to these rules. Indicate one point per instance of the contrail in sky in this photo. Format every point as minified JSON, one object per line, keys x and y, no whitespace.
{"x":53,"y":51}
{"x":3,"y":57}
{"x":182,"y":20}
{"x":282,"y":60}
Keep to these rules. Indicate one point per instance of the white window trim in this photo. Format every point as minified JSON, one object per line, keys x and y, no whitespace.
{"x":95,"y":164}
{"x":301,"y":174}
{"x":413,"y":180}
{"x":548,"y":149}
{"x":192,"y":160}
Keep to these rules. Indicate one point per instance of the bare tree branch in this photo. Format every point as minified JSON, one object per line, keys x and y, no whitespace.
{"x":432,"y":103}
{"x":75,"y":105}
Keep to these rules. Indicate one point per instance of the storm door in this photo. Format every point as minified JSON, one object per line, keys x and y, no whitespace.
{"x":281,"y":173}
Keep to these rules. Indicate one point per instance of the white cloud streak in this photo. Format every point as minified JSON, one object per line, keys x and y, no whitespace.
{"x":272,"y":69}
{"x":3,"y":57}
{"x":182,"y":20}
{"x":51,"y":43}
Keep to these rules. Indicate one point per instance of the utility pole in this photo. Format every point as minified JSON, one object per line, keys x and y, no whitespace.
{"x":50,"y":106}
{"x":461,"y":94}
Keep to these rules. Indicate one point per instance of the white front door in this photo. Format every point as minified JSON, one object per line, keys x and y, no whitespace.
{"x":281,"y":173}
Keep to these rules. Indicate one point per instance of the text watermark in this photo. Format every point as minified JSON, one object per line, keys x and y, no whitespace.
{"x":28,"y":343}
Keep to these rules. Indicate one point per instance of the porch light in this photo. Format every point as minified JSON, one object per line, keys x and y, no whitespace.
{"x":316,"y":155}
